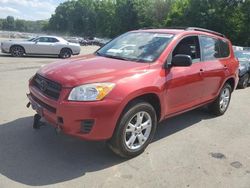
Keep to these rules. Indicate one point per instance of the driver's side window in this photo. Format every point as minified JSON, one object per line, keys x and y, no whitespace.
{"x":189,"y":46}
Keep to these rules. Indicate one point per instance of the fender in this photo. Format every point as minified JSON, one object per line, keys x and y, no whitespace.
{"x":136,"y":94}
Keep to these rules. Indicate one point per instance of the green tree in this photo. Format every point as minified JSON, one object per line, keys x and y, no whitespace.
{"x":1,"y":24}
{"x":243,"y":34}
{"x":108,"y":18}
{"x":20,"y":25}
{"x":9,"y":23}
{"x":105,"y":17}
{"x":125,"y":16}
{"x":221,"y":15}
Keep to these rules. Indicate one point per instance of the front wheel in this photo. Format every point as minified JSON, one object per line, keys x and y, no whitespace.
{"x":134,"y":131}
{"x":220,"y":105}
{"x":17,"y":51}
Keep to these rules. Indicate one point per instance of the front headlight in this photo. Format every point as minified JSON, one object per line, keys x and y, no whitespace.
{"x":90,"y":92}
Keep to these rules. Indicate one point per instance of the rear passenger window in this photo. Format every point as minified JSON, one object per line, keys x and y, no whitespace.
{"x":53,"y":40}
{"x":224,"y":49}
{"x":210,"y":48}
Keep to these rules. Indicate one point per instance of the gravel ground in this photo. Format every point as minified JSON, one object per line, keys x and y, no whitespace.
{"x":190,"y":150}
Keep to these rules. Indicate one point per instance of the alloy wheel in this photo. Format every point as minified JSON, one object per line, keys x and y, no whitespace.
{"x":17,"y":51}
{"x":138,"y":130}
{"x":224,"y":99}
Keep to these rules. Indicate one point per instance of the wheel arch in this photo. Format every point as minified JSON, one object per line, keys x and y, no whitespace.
{"x":19,"y":45}
{"x":68,"y":48}
{"x":232,"y":82}
{"x":150,"y":97}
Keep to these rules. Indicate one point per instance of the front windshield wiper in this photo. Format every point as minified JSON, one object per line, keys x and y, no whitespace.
{"x":113,"y":57}
{"x":121,"y":58}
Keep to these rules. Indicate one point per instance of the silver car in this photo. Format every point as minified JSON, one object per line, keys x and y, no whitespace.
{"x":43,"y":45}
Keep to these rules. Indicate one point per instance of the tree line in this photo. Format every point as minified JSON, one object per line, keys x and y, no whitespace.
{"x":12,"y":24}
{"x":109,"y":18}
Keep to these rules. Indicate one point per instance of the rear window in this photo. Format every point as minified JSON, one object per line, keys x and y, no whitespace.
{"x":213,"y":48}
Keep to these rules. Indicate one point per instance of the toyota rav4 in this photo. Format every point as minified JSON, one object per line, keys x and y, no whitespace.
{"x":140,"y":78}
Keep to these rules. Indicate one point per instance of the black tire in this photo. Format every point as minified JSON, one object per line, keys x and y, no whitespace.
{"x":243,"y":83}
{"x":118,"y":142}
{"x":216,"y":107}
{"x":17,"y":51}
{"x":65,"y":53}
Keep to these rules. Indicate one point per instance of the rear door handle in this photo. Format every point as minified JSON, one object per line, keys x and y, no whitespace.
{"x":225,"y":67}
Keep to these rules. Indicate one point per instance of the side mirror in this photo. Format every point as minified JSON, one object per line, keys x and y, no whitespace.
{"x":181,"y":60}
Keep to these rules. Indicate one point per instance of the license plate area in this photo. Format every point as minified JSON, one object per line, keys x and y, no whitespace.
{"x":35,"y":106}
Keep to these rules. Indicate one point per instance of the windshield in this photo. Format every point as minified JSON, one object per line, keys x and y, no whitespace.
{"x":136,"y":46}
{"x":243,"y":56}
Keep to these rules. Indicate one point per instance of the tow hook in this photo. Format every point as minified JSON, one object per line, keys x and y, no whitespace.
{"x":58,"y":129}
{"x":37,"y":123}
{"x":28,"y":105}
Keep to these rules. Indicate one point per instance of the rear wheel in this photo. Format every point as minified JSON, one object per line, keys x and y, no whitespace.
{"x":243,"y":83}
{"x":17,"y":51}
{"x":134,"y":131}
{"x":220,"y":105}
{"x":65,"y":53}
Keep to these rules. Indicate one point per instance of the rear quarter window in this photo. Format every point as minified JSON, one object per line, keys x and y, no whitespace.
{"x":224,"y":49}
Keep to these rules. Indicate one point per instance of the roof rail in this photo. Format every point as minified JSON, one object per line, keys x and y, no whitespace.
{"x":192,"y":29}
{"x":143,"y":28}
{"x":204,"y":30}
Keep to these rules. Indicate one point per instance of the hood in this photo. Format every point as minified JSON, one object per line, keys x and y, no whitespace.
{"x":90,"y":69}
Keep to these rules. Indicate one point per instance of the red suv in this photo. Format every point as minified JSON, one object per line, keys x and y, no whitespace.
{"x":123,"y":90}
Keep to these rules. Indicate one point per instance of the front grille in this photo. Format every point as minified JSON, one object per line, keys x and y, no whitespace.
{"x":44,"y":105}
{"x":47,"y":87}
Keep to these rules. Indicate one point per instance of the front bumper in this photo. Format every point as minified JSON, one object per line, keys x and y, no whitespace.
{"x":71,"y":117}
{"x":4,"y":50}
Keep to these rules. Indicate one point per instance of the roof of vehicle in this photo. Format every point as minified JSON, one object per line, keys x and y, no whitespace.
{"x":51,"y":36}
{"x":179,"y":30}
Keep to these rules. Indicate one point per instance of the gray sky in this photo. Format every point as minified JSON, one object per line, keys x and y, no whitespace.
{"x":28,"y":9}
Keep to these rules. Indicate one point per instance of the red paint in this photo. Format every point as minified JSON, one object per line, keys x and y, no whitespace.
{"x":179,"y":89}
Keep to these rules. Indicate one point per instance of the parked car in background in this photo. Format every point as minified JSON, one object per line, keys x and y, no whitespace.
{"x":94,"y":41}
{"x":74,"y":39}
{"x":244,"y":69}
{"x":104,"y":41}
{"x":142,"y":77}
{"x":43,"y":45}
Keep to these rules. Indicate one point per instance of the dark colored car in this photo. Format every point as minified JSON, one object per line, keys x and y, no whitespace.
{"x":121,"y":92}
{"x":94,"y":41}
{"x":244,"y":68}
